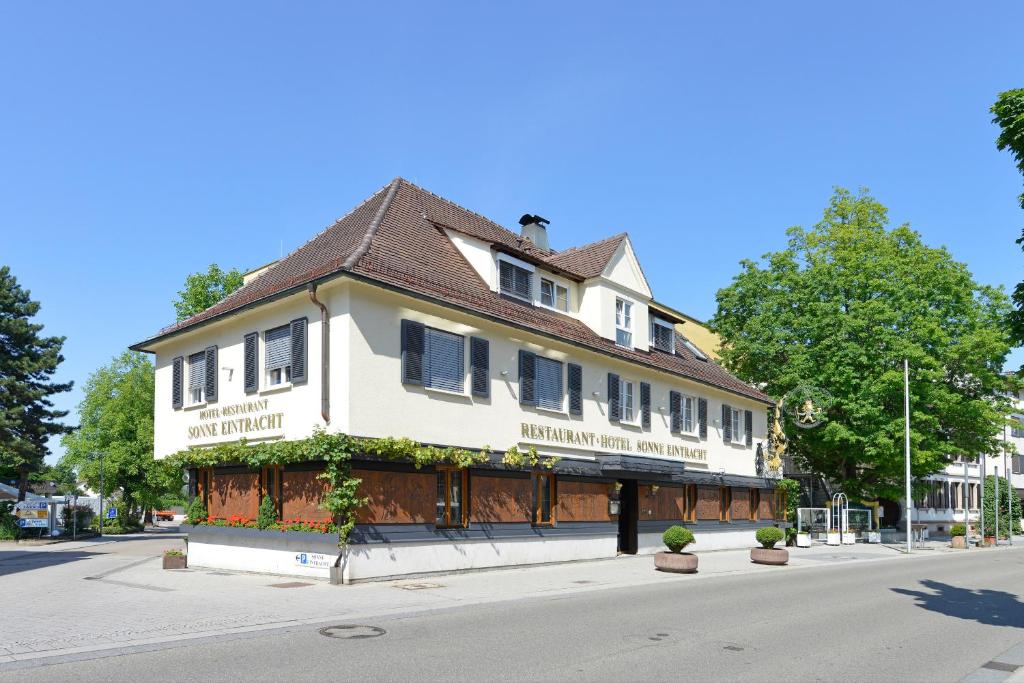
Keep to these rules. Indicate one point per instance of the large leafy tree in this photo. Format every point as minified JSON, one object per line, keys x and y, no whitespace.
{"x":117,"y":421}
{"x":28,"y":362}
{"x":839,"y":309}
{"x":1008,"y":114}
{"x":203,"y":290}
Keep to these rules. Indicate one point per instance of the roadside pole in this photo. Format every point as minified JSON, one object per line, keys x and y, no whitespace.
{"x":1011,"y":523}
{"x":981,"y":496}
{"x":101,"y":494}
{"x":996,"y":469}
{"x":906,"y":444}
{"x":965,"y":501}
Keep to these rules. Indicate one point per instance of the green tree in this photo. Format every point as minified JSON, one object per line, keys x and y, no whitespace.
{"x":1008,"y":114}
{"x":117,"y":421}
{"x":203,"y":290}
{"x":840,"y":308}
{"x":1009,"y":507}
{"x":27,"y":364}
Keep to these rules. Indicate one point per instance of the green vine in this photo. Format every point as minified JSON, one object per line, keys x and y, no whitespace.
{"x":336,"y":451}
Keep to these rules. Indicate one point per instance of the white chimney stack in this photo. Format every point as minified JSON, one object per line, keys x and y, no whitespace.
{"x":534,"y":230}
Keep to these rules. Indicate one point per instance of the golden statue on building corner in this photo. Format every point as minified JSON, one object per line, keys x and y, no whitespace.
{"x":777,"y":440}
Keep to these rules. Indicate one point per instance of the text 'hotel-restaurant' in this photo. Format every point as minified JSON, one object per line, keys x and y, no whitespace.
{"x":414,"y":317}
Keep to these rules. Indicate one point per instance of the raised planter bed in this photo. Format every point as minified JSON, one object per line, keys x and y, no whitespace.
{"x":959,"y":542}
{"x":679,"y":563}
{"x":175,"y":562}
{"x":773,"y":556}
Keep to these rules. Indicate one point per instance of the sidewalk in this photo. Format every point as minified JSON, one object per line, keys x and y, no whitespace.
{"x":113,"y":594}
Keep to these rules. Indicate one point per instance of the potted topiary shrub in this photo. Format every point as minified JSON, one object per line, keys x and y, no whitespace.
{"x":676,"y":538}
{"x":958,"y":532}
{"x":768,"y":554}
{"x":175,"y":559}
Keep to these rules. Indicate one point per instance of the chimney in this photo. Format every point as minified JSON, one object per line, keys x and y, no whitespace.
{"x":534,"y":230}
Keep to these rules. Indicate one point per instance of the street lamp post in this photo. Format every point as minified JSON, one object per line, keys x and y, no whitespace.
{"x":1011,"y":523}
{"x":101,"y":494}
{"x":906,"y":443}
{"x":965,"y":501}
{"x":996,"y":475}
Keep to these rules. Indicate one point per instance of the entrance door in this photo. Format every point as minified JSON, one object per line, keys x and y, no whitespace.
{"x":627,"y":517}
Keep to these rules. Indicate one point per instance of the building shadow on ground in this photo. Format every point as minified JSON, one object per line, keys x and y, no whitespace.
{"x":13,"y":561}
{"x":995,"y":608}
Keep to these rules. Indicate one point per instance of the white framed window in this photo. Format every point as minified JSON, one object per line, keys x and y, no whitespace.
{"x":663,"y":335}
{"x":624,"y":323}
{"x":554,"y":295}
{"x":688,"y":408}
{"x":444,"y":360}
{"x":196,"y":377}
{"x":548,"y":384}
{"x":627,"y":401}
{"x":515,"y":281}
{"x":278,"y":355}
{"x":739,"y":434}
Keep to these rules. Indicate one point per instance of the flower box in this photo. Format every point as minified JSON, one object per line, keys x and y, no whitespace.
{"x":175,"y":561}
{"x":803,"y":540}
{"x":833,"y":538}
{"x":849,"y":537}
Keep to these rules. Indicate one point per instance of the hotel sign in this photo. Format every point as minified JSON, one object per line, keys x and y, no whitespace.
{"x":609,"y":442}
{"x":236,"y":419}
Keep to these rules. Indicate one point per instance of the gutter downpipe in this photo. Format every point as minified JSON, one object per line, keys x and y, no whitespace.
{"x":325,"y":355}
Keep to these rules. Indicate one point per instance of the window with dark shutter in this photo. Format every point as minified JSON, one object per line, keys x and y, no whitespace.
{"x":527,"y":378}
{"x":702,"y":417}
{"x":177,"y":382}
{"x":251,"y":348}
{"x":413,"y":334}
{"x":548,"y":383}
{"x":645,"y":405}
{"x":278,"y":352}
{"x":515,"y":281}
{"x":480,"y":363}
{"x":575,"y":389}
{"x":298,"y":350}
{"x":726,"y":423}
{"x":443,"y":361}
{"x":675,"y":408}
{"x":196,"y":377}
{"x":614,"y":408}
{"x":211,"y":374}
{"x":748,"y":427}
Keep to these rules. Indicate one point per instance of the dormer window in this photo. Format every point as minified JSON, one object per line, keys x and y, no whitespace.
{"x":624,"y":323}
{"x":554,"y":295}
{"x":515,"y":281}
{"x":663,"y":335}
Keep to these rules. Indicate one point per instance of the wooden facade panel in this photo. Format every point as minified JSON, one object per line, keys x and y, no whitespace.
{"x":581,"y":501}
{"x":667,"y":503}
{"x":302,"y":492}
{"x":397,"y":497}
{"x":499,"y":499}
{"x":740,"y":504}
{"x":234,"y":494}
{"x":708,"y":501}
{"x":765,"y":509}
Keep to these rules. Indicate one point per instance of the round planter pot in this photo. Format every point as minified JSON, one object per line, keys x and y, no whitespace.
{"x":958,"y":542}
{"x":681,"y":563}
{"x":776,"y":556}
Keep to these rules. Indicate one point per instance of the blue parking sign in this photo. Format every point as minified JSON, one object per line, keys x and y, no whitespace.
{"x":111,"y":513}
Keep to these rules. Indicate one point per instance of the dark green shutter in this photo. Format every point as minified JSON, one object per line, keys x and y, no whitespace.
{"x":413,"y":341}
{"x":210,"y":390}
{"x":251,"y":352}
{"x":675,"y":409}
{"x":575,"y":389}
{"x":480,"y":366}
{"x":726,"y":423}
{"x":614,"y":407}
{"x":177,"y":381}
{"x":702,"y":417}
{"x":645,"y":405}
{"x":527,"y":378}
{"x":748,"y":426}
{"x":299,"y":349}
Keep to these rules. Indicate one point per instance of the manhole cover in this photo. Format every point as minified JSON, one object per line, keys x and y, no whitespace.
{"x":290,"y":584}
{"x":418,"y":586}
{"x":352,"y":631}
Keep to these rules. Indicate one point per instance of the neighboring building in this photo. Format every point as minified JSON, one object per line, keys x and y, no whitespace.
{"x":412,"y":316}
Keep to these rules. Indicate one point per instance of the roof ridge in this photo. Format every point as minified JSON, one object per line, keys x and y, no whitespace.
{"x":371,"y":231}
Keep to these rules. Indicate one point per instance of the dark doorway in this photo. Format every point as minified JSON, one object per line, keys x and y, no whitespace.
{"x":627,"y":517}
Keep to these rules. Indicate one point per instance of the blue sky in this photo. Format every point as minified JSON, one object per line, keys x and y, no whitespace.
{"x":141,"y":141}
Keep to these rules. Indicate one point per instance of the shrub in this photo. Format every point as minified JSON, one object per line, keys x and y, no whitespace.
{"x":196,"y":511}
{"x":957,"y":530}
{"x":173,"y":553}
{"x":677,"y":537}
{"x":8,"y":522}
{"x":768,"y":536}
{"x":82,"y":513}
{"x":267,"y":515}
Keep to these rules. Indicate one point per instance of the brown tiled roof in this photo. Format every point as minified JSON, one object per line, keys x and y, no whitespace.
{"x":589,"y":260}
{"x":396,"y":237}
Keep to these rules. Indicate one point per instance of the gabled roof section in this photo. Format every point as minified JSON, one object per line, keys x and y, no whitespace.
{"x":590,"y":260}
{"x":396,"y":239}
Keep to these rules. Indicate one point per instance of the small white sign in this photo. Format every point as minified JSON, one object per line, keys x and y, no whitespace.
{"x":313,"y":560}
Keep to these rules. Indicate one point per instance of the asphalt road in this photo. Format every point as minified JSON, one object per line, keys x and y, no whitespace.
{"x":934,"y":619}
